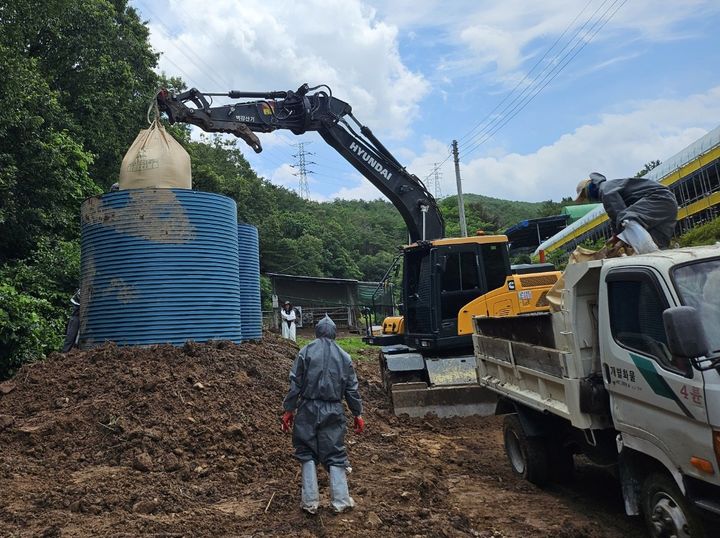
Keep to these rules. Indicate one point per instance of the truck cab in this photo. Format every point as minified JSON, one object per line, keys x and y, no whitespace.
{"x":665,"y":405}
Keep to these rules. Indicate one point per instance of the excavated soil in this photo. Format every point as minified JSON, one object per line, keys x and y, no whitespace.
{"x":168,"y":442}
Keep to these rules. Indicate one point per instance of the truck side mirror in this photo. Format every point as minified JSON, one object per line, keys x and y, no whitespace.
{"x":685,"y":332}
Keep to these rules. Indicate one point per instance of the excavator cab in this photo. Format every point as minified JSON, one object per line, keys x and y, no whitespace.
{"x":442,"y":276}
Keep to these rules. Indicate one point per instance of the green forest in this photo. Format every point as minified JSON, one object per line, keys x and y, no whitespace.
{"x":77,"y":81}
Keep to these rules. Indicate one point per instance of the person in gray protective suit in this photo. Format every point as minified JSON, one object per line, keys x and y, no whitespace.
{"x":321,"y":378}
{"x":645,"y":201}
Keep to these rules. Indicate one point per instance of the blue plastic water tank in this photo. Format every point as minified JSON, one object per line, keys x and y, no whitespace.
{"x":159,"y":266}
{"x":249,"y":256}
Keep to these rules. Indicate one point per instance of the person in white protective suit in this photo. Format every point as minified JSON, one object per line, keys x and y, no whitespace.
{"x":288,"y":321}
{"x":321,"y":378}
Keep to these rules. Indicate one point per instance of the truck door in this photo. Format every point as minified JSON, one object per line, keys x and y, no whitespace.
{"x":656,"y":400}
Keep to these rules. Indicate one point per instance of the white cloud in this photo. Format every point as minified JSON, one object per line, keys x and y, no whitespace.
{"x":275,"y":45}
{"x":500,"y":36}
{"x":361,"y":190}
{"x":618,"y":145}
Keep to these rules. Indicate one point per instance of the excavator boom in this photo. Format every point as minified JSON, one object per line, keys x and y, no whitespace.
{"x":314,"y":109}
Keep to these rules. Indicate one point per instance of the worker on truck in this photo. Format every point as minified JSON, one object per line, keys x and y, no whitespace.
{"x":321,"y":377}
{"x":634,"y":200}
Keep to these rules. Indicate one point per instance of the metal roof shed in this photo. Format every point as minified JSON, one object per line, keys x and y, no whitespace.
{"x":317,"y":296}
{"x":528,"y":234}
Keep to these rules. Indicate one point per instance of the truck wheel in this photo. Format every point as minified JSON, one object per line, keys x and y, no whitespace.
{"x":666,"y":511}
{"x":528,"y":455}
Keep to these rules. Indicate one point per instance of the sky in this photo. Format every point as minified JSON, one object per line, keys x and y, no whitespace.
{"x":537,"y":94}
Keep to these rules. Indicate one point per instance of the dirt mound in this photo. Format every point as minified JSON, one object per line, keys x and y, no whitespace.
{"x":167,"y":441}
{"x":153,"y":430}
{"x":127,"y":441}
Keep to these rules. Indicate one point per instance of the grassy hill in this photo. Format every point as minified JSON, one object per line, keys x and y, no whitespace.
{"x":492,"y":214}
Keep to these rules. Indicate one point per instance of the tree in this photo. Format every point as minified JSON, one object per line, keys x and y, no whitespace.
{"x":647,"y":167}
{"x":44,"y":171}
{"x":476,"y":215}
{"x":78,"y":76}
{"x":77,"y":79}
{"x":550,"y":208}
{"x":374,"y":267}
{"x":96,"y":58}
{"x":28,"y":330}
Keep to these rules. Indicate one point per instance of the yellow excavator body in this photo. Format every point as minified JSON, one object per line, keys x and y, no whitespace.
{"x":521,"y":294}
{"x":421,"y":380}
{"x":393,"y":325}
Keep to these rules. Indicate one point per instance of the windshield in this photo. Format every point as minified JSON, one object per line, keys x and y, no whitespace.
{"x":698,"y":285}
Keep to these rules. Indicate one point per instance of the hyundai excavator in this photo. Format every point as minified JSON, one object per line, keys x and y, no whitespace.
{"x":429,"y":366}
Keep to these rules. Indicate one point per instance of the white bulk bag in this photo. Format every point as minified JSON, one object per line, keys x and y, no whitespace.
{"x":155,"y":159}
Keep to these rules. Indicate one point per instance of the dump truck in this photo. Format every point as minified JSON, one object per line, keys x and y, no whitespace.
{"x":626,"y":372}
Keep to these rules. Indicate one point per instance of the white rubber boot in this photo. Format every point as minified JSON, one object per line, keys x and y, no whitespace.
{"x":310,"y":495}
{"x":339,"y":495}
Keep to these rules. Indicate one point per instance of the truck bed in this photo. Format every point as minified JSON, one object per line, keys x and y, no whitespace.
{"x":549,"y":361}
{"x":535,"y":376}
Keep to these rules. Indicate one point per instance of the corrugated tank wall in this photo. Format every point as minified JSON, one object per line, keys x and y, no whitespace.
{"x":249,"y":257}
{"x":159,"y":266}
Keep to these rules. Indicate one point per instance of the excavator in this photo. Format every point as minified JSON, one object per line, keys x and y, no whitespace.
{"x":427,"y":362}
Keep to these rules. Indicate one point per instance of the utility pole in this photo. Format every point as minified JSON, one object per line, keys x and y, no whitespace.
{"x":302,"y":171}
{"x":461,"y":203}
{"x":437,"y":175}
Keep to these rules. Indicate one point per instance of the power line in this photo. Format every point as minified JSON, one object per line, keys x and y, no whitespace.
{"x":548,"y":69}
{"x":333,"y":179}
{"x":180,"y":69}
{"x":185,"y":51}
{"x":548,"y":78}
{"x":509,"y":105}
{"x":532,"y":69}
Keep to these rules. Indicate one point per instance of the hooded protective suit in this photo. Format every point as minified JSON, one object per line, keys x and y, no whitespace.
{"x":642,"y":200}
{"x":321,"y":378}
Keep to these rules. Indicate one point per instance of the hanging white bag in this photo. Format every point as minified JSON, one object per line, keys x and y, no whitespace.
{"x":155,"y":160}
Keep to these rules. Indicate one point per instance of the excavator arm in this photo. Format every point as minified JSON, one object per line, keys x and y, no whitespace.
{"x":313,"y":109}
